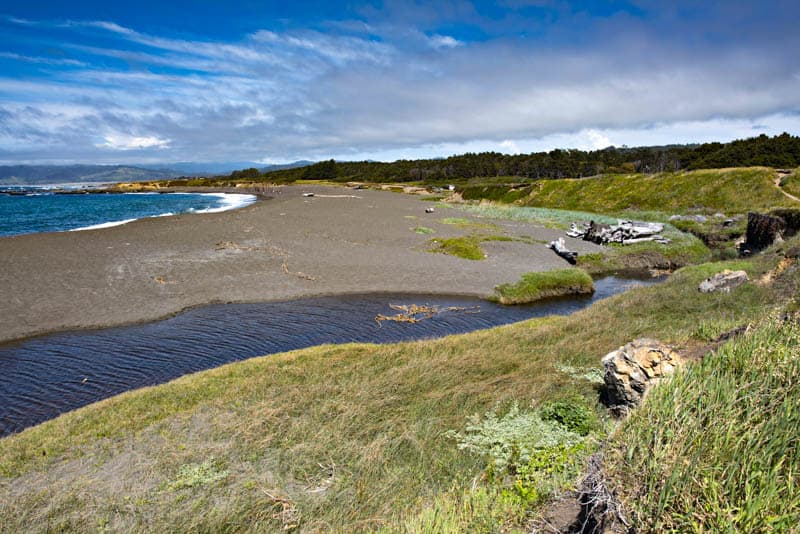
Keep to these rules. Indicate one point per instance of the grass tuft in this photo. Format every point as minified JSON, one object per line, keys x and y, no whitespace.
{"x":466,"y":247}
{"x":539,"y":285}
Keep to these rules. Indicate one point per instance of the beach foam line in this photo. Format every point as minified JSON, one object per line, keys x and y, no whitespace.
{"x":228,"y":201}
{"x":102,"y":225}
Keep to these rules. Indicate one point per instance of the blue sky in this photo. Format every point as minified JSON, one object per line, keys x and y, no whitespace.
{"x":160,"y":82}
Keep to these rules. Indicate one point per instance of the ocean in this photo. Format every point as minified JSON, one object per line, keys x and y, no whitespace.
{"x":30,"y":210}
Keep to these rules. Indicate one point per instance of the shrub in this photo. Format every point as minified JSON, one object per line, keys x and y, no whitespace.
{"x":572,"y":414}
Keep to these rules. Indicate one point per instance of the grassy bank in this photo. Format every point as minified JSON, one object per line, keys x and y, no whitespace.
{"x":342,"y":438}
{"x":791,"y":183}
{"x":540,"y":285}
{"x":716,"y":449}
{"x":727,"y":190}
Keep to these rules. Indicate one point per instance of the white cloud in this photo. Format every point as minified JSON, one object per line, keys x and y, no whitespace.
{"x":117,"y":141}
{"x":510,"y":146}
{"x":303,"y":94}
{"x":596,"y":140}
{"x":444,"y":41}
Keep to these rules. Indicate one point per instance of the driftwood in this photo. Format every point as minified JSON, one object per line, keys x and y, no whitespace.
{"x":624,"y":232}
{"x":414,"y":313}
{"x":561,"y":249}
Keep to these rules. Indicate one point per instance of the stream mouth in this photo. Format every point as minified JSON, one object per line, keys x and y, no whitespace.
{"x":45,"y":376}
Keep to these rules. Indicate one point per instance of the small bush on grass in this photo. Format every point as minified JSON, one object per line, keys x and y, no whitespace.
{"x":572,"y":414}
{"x":530,"y":455}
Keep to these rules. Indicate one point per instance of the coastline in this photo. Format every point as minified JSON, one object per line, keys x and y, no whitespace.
{"x":286,"y":248}
{"x":227,"y":200}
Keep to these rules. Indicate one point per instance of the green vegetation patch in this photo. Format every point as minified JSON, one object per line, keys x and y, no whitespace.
{"x":538,"y":285}
{"x":715,"y":449}
{"x":424,"y":230}
{"x":728,"y":190}
{"x":467,"y":247}
{"x":530,"y":454}
{"x":684,"y":250}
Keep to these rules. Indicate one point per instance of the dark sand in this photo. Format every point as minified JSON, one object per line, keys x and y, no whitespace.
{"x":278,"y":249}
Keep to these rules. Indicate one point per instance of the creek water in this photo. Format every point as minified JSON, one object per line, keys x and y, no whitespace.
{"x":45,"y":376}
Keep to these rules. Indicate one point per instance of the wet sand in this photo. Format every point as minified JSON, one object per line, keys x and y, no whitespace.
{"x":339,"y":241}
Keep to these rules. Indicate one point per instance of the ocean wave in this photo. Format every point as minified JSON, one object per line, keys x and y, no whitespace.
{"x":228,"y":201}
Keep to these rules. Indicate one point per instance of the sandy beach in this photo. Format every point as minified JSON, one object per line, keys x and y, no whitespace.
{"x":338,"y":241}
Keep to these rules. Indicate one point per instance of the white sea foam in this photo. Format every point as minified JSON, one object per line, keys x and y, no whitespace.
{"x":102,"y":225}
{"x":229,"y":201}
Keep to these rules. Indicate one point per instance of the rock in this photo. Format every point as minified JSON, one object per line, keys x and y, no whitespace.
{"x":429,"y":210}
{"x":792,"y":253}
{"x":699,"y":218}
{"x":634,"y":368}
{"x":676,"y":218}
{"x":723,"y":281}
{"x":762,"y":231}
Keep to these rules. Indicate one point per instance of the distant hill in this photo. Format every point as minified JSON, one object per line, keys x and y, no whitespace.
{"x":101,"y":174}
{"x":55,"y":174}
{"x":190,"y":168}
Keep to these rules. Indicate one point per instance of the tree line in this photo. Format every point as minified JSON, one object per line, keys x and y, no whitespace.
{"x":778,"y":151}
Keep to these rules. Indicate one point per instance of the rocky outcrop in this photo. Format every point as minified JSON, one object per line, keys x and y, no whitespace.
{"x":762,"y":231}
{"x":723,"y":281}
{"x":633,"y":368}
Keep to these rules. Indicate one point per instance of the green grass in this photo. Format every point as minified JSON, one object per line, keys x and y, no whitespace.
{"x":467,"y":247}
{"x":424,"y":230}
{"x":539,"y":285}
{"x":685,"y":249}
{"x":335,"y":438}
{"x":716,"y":449}
{"x":791,"y":183}
{"x":727,"y":190}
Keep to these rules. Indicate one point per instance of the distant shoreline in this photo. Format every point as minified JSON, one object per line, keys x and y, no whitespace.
{"x":290,"y":247}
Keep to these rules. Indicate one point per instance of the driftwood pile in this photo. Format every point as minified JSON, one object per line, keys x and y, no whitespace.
{"x":624,"y":232}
